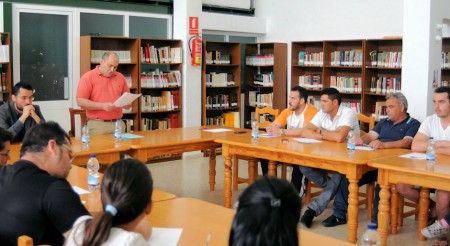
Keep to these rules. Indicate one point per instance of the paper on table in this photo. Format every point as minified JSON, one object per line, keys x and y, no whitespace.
{"x":363,"y":147}
{"x":418,"y":156}
{"x":307,"y":140}
{"x":130,"y":136}
{"x":79,"y":190}
{"x":218,"y":130}
{"x":125,"y":99}
{"x":165,"y":236}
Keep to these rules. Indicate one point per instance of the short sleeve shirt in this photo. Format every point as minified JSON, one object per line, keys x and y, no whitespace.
{"x":98,"y":88}
{"x":432,"y":127}
{"x":290,"y":120}
{"x":344,"y":117}
{"x":388,"y":132}
{"x":36,"y":204}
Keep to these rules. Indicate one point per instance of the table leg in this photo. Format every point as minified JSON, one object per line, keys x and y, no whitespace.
{"x":251,"y":171}
{"x":227,"y":176}
{"x":352,"y":225}
{"x":383,"y":212}
{"x":424,"y":203}
{"x":212,"y":169}
{"x":394,"y":210}
{"x":272,"y":168}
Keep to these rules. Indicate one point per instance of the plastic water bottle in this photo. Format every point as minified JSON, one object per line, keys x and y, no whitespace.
{"x":255,"y":130}
{"x":371,"y":236}
{"x":118,"y":130}
{"x":431,"y":154}
{"x":351,"y":139}
{"x":93,"y":177}
{"x":85,"y":137}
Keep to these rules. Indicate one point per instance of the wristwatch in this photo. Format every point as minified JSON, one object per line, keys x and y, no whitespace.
{"x":282,"y":131}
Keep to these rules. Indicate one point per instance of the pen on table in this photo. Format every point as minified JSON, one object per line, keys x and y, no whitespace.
{"x":208,"y":238}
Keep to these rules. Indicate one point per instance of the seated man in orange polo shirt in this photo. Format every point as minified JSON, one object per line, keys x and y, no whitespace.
{"x":97,"y":90}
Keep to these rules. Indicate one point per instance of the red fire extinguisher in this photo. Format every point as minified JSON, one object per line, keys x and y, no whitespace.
{"x":196,"y":51}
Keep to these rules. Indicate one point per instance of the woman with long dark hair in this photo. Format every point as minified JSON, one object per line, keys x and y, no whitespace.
{"x":126,"y":193}
{"x":267,"y":214}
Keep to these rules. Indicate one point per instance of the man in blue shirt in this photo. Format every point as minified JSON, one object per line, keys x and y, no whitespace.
{"x":397,"y":131}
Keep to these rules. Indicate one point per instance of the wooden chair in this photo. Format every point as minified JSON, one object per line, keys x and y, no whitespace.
{"x":24,"y":240}
{"x":367,"y":197}
{"x":261,"y":116}
{"x":379,"y":109}
{"x":73,"y":112}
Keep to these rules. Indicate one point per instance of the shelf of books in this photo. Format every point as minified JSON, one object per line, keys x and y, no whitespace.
{"x":364,"y":71}
{"x":445,"y":65}
{"x":160,"y":83}
{"x":383,"y":64}
{"x":265,"y":78}
{"x":92,"y":49}
{"x":5,"y":65}
{"x":221,"y":73}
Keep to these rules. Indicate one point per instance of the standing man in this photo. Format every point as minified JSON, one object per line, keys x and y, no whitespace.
{"x":5,"y":145}
{"x":36,"y":199}
{"x":436,"y":126}
{"x":97,"y":90}
{"x":397,"y":131}
{"x":298,"y":114}
{"x":19,"y":114}
{"x":332,"y":123}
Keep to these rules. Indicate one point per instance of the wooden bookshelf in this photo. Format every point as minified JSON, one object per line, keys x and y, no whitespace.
{"x":266,"y":75}
{"x":383,"y":68}
{"x":160,"y":77}
{"x":128,"y":64}
{"x":322,"y":75}
{"x":445,"y":68}
{"x":5,"y":72}
{"x":221,"y":71}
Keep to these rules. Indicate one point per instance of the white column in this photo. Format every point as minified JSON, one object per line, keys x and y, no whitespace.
{"x":192,"y":90}
{"x":422,"y":52}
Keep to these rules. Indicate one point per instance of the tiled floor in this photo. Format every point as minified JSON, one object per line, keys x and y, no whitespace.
{"x":189,"y":178}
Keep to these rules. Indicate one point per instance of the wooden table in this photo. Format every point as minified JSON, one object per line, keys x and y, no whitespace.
{"x":107,"y":152}
{"x":393,"y":170}
{"x":324,"y":155}
{"x":174,"y":141}
{"x":199,"y":218}
{"x":78,"y":177}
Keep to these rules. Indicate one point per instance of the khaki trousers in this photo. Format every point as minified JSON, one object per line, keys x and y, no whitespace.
{"x":98,"y":127}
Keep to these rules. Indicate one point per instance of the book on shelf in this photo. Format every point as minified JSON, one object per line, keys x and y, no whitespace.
{"x":219,"y":79}
{"x":259,"y":99}
{"x":346,"y":84}
{"x":3,"y":82}
{"x":124,"y":55}
{"x":216,"y":57}
{"x":310,"y":58}
{"x":263,"y":79}
{"x":158,"y":79}
{"x":231,"y":119}
{"x":387,"y":59}
{"x":346,"y":58}
{"x":315,"y":101}
{"x":4,"y":53}
{"x":353,"y":105}
{"x":129,"y":125}
{"x":259,"y":59}
{"x":311,"y":81}
{"x":156,"y":55}
{"x":163,"y":102}
{"x":445,"y":60}
{"x":385,"y":85}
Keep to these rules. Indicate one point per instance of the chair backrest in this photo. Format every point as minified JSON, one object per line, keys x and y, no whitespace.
{"x":265,"y":116}
{"x":379,"y":109}
{"x":83,"y":119}
{"x":366,"y":119}
{"x":24,"y":240}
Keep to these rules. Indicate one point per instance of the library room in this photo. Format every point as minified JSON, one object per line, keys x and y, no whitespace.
{"x":171,"y":122}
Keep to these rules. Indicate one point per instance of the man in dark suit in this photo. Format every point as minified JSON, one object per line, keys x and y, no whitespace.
{"x":19,"y":114}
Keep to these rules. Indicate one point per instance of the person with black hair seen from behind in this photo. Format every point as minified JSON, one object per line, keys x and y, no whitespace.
{"x":267,"y":214}
{"x":36,"y":199}
{"x":19,"y":114}
{"x":5,"y":145}
{"x":126,"y":193}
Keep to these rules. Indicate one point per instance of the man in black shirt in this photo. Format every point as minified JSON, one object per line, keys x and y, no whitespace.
{"x":19,"y":114}
{"x":35,"y":197}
